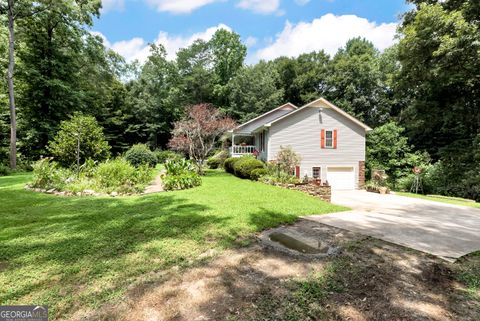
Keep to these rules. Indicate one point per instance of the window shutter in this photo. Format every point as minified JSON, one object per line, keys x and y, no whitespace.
{"x":322,"y":139}
{"x":297,"y":171}
{"x":335,"y":139}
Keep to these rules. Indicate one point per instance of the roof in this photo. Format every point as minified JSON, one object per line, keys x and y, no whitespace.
{"x":265,"y":114}
{"x":329,"y":105}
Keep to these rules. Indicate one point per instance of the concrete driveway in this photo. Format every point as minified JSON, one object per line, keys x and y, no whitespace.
{"x":444,"y":230}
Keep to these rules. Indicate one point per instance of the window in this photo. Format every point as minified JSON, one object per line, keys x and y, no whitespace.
{"x":329,"y":139}
{"x":262,"y":141}
{"x":316,"y":172}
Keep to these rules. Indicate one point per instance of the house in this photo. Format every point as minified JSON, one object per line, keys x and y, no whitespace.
{"x":330,"y":142}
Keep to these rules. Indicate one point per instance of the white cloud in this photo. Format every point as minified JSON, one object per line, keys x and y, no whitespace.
{"x":109,"y":5}
{"x":251,"y":41}
{"x":260,"y":6}
{"x":179,"y":6}
{"x":302,"y":2}
{"x":139,"y":49}
{"x":329,"y":33}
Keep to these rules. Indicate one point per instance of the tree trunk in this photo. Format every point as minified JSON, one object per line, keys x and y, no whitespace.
{"x":11,"y":96}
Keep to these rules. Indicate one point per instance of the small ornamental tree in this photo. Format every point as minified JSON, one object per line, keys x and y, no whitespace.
{"x":79,"y":139}
{"x":198,"y":131}
{"x":287,"y":159}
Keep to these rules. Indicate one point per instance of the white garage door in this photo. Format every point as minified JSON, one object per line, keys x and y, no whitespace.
{"x":341,"y":177}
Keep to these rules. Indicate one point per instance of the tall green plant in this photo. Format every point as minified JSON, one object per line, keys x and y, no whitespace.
{"x":79,"y":138}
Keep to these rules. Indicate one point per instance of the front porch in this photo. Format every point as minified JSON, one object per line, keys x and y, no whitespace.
{"x":242,"y":144}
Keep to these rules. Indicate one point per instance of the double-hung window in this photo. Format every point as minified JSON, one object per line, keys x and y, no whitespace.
{"x":329,"y":139}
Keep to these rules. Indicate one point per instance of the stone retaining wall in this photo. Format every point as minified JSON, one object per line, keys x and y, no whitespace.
{"x":323,"y":192}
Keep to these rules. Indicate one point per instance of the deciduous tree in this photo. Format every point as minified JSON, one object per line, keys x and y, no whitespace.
{"x":197,"y":133}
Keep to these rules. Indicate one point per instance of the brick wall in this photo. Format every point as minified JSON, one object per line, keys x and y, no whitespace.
{"x":361,"y":174}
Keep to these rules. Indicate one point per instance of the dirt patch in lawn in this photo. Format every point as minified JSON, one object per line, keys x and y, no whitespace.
{"x":367,"y":279}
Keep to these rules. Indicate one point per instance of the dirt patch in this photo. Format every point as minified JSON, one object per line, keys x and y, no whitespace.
{"x":368,"y":280}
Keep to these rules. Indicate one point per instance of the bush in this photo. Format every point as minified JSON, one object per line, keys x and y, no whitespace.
{"x":164,"y":155}
{"x":4,"y":170}
{"x":92,"y":141}
{"x":217,"y":160}
{"x":120,"y":176}
{"x":275,"y":175}
{"x":229,"y":164}
{"x":257,"y":173}
{"x":48,"y":174}
{"x":139,"y":155}
{"x":245,"y":165}
{"x":287,"y":159}
{"x":180,"y":174}
{"x":181,"y":181}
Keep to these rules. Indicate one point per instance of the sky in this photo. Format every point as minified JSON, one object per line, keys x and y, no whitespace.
{"x":269,"y":28}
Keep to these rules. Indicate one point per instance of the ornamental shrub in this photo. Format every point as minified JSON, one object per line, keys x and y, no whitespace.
{"x":245,"y":165}
{"x":229,"y":163}
{"x":181,"y":181}
{"x":48,"y":174}
{"x":139,"y":155}
{"x":180,"y":174}
{"x":217,"y":160}
{"x":80,"y":136}
{"x":120,"y":176}
{"x":257,"y":173}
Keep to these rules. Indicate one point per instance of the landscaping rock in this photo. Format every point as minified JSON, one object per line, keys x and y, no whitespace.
{"x":51,"y":191}
{"x":89,"y":192}
{"x":114,"y":194}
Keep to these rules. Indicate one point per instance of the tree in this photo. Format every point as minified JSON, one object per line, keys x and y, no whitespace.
{"x":195,"y":66}
{"x":286,"y":159}
{"x":355,"y":82}
{"x":55,"y":58}
{"x":228,"y":57}
{"x":156,"y":98}
{"x":440,"y":75}
{"x":79,"y":139}
{"x":197,"y":133}
{"x":388,"y":149}
{"x":254,"y":91}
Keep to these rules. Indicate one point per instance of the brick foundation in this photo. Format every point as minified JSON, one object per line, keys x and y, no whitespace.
{"x":361,"y":174}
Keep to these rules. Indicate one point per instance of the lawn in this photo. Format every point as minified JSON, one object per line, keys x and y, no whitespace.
{"x":76,"y":253}
{"x":442,"y":199}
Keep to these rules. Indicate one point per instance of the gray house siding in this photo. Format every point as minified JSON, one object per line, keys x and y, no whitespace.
{"x":302,"y":131}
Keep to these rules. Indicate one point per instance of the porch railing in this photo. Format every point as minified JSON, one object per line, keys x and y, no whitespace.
{"x":239,"y":150}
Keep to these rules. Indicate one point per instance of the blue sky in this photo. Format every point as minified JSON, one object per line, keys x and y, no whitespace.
{"x":270,"y":28}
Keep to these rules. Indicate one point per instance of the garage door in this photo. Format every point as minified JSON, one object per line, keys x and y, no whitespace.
{"x":341,"y":177}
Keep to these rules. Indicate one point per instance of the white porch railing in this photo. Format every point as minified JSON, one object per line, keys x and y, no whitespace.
{"x":239,"y":150}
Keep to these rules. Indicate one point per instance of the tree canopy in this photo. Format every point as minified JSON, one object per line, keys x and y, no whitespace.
{"x":427,"y":83}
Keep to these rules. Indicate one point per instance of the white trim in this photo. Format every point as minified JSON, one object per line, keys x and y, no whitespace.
{"x":265,"y":114}
{"x":329,"y":105}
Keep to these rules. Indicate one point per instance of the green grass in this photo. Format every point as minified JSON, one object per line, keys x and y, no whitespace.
{"x":442,"y":199}
{"x":469,"y":274}
{"x":73,"y":253}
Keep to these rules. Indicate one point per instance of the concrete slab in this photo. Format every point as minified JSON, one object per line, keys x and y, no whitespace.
{"x":445,"y":230}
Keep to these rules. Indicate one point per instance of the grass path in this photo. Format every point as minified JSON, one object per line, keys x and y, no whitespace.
{"x":72,"y":253}
{"x":442,"y":199}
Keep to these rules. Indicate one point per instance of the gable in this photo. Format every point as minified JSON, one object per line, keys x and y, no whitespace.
{"x":323,"y":104}
{"x":268,"y":117}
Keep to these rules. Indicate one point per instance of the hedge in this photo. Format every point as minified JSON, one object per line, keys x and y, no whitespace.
{"x":243,"y":166}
